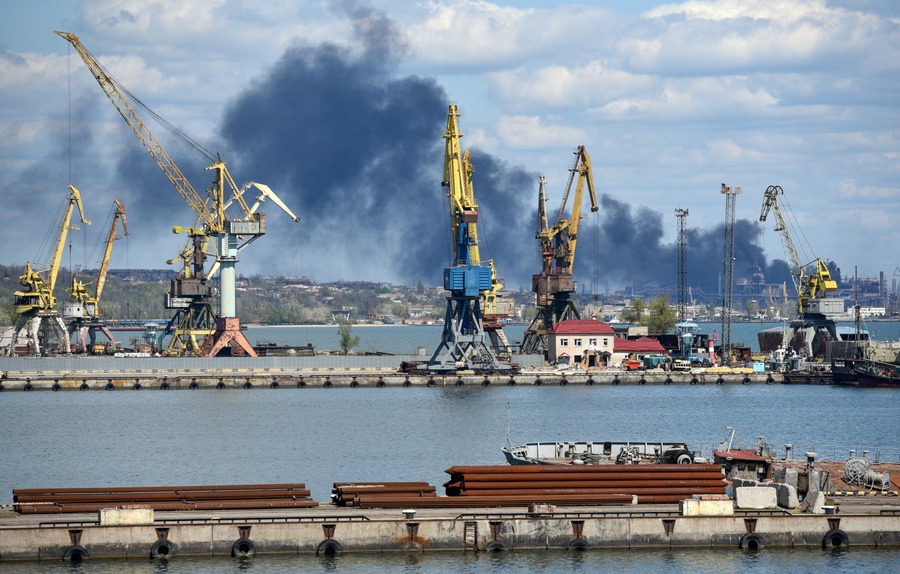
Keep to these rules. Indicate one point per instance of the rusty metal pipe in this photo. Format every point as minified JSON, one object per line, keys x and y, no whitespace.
{"x":685,"y":490}
{"x":553,"y":468}
{"x":216,"y":488}
{"x":578,"y":477}
{"x":472,"y":485}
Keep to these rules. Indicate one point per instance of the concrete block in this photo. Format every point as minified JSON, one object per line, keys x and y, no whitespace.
{"x":120,"y":516}
{"x":787,"y":495}
{"x":790,"y":477}
{"x":690,"y":507}
{"x":815,"y":479}
{"x":755,"y":497}
{"x":814,"y":502}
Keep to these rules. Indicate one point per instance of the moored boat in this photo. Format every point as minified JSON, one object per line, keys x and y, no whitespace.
{"x":599,"y":452}
{"x":876,"y":374}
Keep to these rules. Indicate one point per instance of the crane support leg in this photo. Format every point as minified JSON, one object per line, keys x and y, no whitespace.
{"x":40,"y":329}
{"x":463,"y":341}
{"x":228,"y":332}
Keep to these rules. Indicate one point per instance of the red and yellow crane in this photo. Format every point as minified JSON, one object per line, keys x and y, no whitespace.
{"x":555,"y":284}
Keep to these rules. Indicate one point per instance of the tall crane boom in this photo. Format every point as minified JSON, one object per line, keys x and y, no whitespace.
{"x":463,"y":208}
{"x":562,"y":238}
{"x":467,"y":279}
{"x":113,"y":91}
{"x":810,"y":287}
{"x":36,"y":304}
{"x":85,"y":316}
{"x":39,"y":296}
{"x":555,"y":284}
{"x":104,"y":264}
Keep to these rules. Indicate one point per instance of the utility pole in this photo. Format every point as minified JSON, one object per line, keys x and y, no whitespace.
{"x":682,"y":214}
{"x":728,"y":283}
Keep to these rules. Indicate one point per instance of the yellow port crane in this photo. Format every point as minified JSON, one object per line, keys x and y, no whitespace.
{"x":811,"y":288}
{"x":469,"y":280}
{"x":36,"y":305}
{"x":189,"y":294}
{"x":813,"y":305}
{"x":555,"y":284}
{"x":85,"y":316}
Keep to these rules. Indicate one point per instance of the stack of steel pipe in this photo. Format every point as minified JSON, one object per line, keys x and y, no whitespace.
{"x":370,"y":494}
{"x":61,"y":500}
{"x":651,"y":483}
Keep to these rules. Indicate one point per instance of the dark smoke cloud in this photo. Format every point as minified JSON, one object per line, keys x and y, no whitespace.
{"x":357,"y":153}
{"x":631,"y":251}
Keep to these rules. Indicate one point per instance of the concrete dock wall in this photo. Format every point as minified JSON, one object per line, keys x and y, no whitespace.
{"x":350,"y":378}
{"x":458,"y":533}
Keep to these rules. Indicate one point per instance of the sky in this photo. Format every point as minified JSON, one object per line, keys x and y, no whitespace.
{"x":340,"y":108}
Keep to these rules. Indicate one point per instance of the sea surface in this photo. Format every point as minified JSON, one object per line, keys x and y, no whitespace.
{"x":405,"y":339}
{"x":321,"y":436}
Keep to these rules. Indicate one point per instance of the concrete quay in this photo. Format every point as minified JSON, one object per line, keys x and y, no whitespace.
{"x":155,"y":379}
{"x":329,"y":529}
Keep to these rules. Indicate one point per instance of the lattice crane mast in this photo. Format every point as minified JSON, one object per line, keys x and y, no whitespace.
{"x":85,"y":316}
{"x":463,"y":344}
{"x":811,"y":288}
{"x":555,"y":284}
{"x":227,"y":233}
{"x":36,"y":305}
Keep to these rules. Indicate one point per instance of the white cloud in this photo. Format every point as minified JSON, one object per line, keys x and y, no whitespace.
{"x":558,"y":86}
{"x":848,"y":189}
{"x":530,"y":132}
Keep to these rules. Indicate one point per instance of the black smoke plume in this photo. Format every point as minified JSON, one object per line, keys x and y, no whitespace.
{"x":357,"y":153}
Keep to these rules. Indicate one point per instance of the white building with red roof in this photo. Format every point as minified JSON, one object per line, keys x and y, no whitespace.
{"x":591,"y":343}
{"x":584,"y":341}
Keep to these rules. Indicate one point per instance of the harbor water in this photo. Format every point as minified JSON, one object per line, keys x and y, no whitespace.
{"x":405,"y":340}
{"x":320,"y":436}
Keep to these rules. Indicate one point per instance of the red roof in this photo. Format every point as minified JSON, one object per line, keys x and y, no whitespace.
{"x":645,"y":344}
{"x":581,"y":327}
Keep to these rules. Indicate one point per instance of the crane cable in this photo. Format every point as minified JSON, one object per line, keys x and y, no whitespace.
{"x":188,"y":142}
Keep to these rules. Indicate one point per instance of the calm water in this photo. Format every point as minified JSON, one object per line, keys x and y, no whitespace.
{"x":403,"y":340}
{"x":322,"y":436}
{"x":688,"y":561}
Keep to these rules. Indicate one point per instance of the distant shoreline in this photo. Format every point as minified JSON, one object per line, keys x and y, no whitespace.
{"x":361,"y":325}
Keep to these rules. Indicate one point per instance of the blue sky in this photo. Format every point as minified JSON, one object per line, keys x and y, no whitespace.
{"x":671,"y":99}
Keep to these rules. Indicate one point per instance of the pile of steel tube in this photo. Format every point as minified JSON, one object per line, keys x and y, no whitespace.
{"x":377,"y":494}
{"x":586,"y":484}
{"x":60,"y":500}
